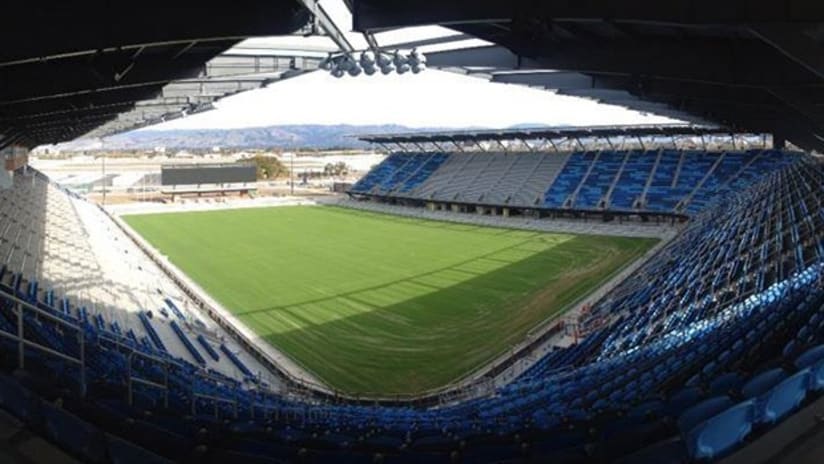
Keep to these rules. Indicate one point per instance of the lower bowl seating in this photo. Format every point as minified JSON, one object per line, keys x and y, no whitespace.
{"x":713,"y":342}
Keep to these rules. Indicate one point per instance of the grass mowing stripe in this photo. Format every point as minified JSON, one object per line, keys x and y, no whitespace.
{"x":383,"y":304}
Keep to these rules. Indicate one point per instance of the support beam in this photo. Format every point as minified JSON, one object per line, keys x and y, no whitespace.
{"x":790,"y":40}
{"x":711,"y":61}
{"x":325,"y":22}
{"x":556,"y":80}
{"x":493,"y":56}
{"x":383,"y":14}
{"x":427,"y":42}
{"x":71,"y":31}
{"x":779,"y":142}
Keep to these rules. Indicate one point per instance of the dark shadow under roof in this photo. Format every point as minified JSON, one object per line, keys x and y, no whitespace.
{"x":67,"y":68}
{"x":643,"y":131}
{"x":754,"y":66}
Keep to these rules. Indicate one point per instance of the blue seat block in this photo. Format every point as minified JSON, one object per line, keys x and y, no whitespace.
{"x":817,"y":376}
{"x":702,"y":411}
{"x":785,"y":397}
{"x":721,"y":432}
{"x":682,"y":399}
{"x":810,"y":357}
{"x":124,"y":452}
{"x":668,"y":452}
{"x":19,"y":401}
{"x":74,"y":434}
{"x":725,"y":383}
{"x":762,"y":383}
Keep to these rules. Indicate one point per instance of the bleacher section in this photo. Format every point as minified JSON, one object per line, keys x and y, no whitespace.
{"x":65,"y":252}
{"x":524,"y":184}
{"x":593,"y":190}
{"x":629,"y":186}
{"x":635,"y":181}
{"x":714,"y":341}
{"x":561,"y":192}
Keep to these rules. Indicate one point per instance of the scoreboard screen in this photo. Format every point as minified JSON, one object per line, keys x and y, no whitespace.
{"x":193,"y":174}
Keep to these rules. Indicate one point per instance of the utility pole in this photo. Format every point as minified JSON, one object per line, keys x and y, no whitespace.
{"x":104,"y":178}
{"x":292,"y":173}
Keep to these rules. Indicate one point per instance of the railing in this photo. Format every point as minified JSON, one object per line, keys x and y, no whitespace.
{"x":216,"y":401}
{"x":303,"y":387}
{"x":479,"y":382}
{"x":21,"y":307}
{"x":131,"y":379}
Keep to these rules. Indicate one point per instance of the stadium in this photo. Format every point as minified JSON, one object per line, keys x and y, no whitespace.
{"x":616,"y":293}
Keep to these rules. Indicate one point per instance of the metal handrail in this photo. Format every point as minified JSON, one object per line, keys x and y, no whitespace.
{"x":216,"y":400}
{"x":131,"y":379}
{"x":432,"y":396}
{"x":20,"y":337}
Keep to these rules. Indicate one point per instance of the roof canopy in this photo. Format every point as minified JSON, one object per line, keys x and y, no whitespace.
{"x":643,"y":131}
{"x":69,"y":68}
{"x":754,"y":66}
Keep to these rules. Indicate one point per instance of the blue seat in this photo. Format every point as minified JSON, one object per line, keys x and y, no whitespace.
{"x":721,"y":432}
{"x":817,"y":376}
{"x":702,"y":411}
{"x":785,"y":397}
{"x":19,"y":401}
{"x":646,"y":409}
{"x":790,"y":349}
{"x":124,"y":452}
{"x":810,"y":357}
{"x":682,"y":399}
{"x":762,"y":383}
{"x":667,"y":452}
{"x":725,"y":383}
{"x":74,"y":434}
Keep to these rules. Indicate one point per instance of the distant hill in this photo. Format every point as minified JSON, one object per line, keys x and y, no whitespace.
{"x":285,"y":137}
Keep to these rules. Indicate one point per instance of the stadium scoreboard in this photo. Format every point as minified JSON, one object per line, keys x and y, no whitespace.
{"x":193,"y":174}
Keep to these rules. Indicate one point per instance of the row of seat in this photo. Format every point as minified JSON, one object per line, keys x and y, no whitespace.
{"x":673,"y":335}
{"x":652,"y":181}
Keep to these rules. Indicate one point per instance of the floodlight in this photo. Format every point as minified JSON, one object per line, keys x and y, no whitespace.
{"x":327,"y":63}
{"x":355,"y":70}
{"x":346,"y":63}
{"x":370,"y":62}
{"x":416,"y":58}
{"x":398,"y":60}
{"x":367,"y":59}
{"x":383,"y":60}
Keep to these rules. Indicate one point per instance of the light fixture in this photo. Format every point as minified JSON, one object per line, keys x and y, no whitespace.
{"x":367,"y":62}
{"x":370,"y":62}
{"x":346,"y":63}
{"x":401,"y":62}
{"x":327,"y":63}
{"x":417,"y":61}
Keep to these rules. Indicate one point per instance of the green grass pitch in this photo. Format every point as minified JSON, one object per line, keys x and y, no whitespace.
{"x":379,"y":304}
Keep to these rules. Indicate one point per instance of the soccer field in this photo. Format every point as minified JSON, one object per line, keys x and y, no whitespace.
{"x":371,"y":303}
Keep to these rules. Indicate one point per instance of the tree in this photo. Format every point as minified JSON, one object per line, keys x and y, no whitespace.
{"x":269,"y":167}
{"x":338,"y":169}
